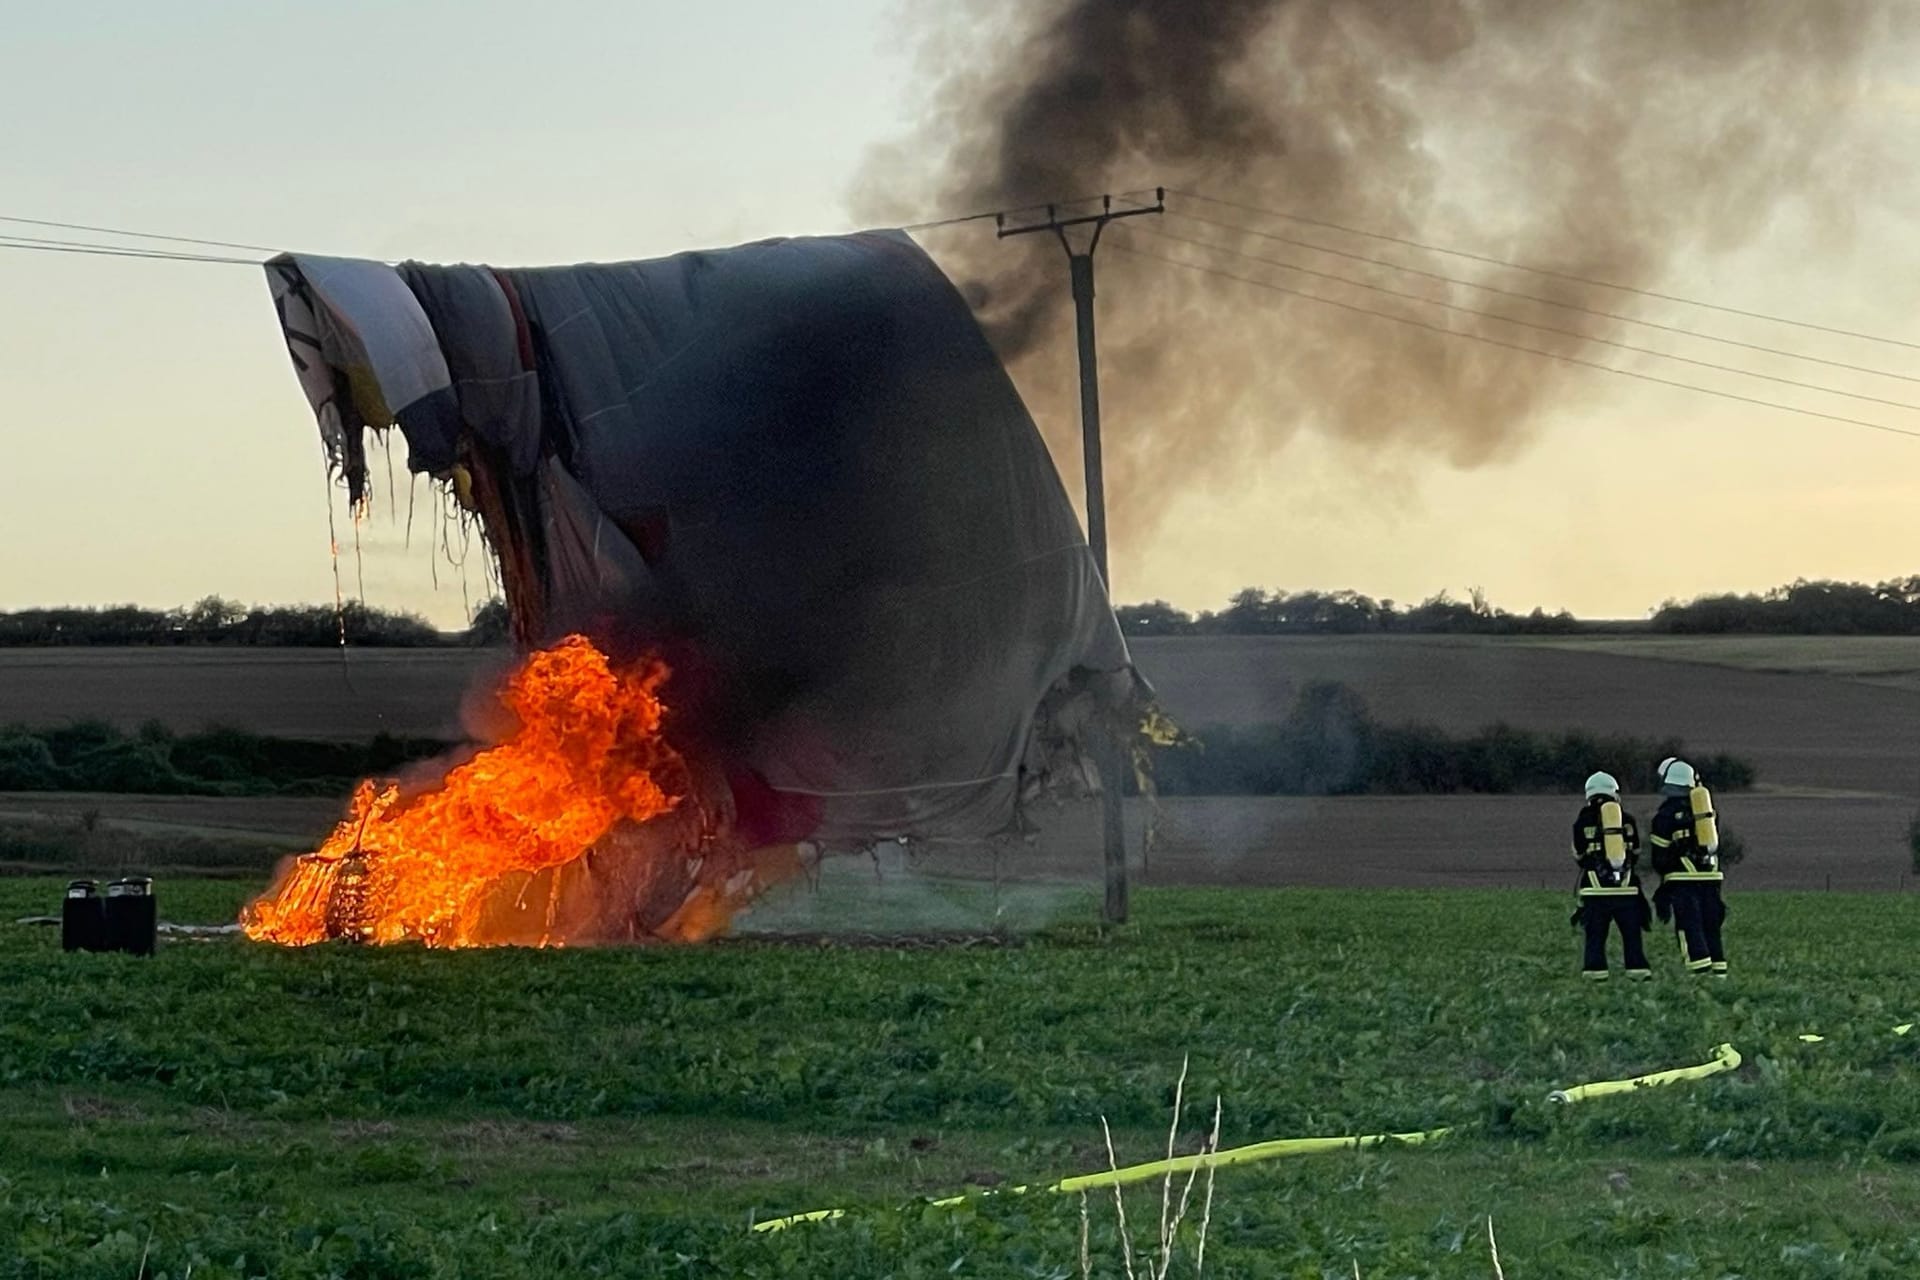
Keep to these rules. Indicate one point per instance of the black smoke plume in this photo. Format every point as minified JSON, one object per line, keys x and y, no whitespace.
{"x":1608,"y":141}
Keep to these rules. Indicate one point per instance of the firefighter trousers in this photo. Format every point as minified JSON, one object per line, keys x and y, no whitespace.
{"x":1600,"y":913}
{"x":1698,"y":913}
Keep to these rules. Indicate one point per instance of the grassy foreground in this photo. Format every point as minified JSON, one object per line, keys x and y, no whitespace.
{"x":250,"y":1112}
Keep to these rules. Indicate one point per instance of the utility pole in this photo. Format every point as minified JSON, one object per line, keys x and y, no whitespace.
{"x":1108,"y":756}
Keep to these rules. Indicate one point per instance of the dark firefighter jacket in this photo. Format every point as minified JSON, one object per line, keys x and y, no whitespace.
{"x":1597,"y":876}
{"x":1677,"y":854}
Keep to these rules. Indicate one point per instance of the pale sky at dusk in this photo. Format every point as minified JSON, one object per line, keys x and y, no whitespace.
{"x":160,"y":450}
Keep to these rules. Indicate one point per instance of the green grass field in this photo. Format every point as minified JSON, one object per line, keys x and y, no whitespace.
{"x":338,"y":1112}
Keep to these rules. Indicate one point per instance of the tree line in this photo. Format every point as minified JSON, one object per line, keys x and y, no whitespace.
{"x":1256,"y":612}
{"x":1802,"y":607}
{"x":217,"y":621}
{"x":1799,"y":608}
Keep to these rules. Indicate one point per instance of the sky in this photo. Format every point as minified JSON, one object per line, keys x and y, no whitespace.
{"x":159,"y":449}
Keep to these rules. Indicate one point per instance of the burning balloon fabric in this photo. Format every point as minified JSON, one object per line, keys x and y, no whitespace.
{"x":532,"y":839}
{"x":788,"y":490}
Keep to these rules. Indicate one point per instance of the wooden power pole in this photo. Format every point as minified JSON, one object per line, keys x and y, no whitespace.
{"x":1108,"y":757}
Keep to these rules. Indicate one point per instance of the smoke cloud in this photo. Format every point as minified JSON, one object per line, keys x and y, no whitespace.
{"x":1609,"y":141}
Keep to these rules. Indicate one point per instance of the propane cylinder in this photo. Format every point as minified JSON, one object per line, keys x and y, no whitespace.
{"x":1613,"y":834}
{"x":83,"y":918}
{"x":133,"y":923}
{"x":1706,"y":831}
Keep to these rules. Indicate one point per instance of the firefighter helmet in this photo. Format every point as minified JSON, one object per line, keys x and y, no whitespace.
{"x":1678,"y":773}
{"x":1602,"y":784}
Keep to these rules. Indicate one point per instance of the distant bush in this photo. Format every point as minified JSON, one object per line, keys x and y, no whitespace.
{"x":1329,"y":744}
{"x":490,"y":625}
{"x":92,"y":756}
{"x":1733,"y":847}
{"x":27,"y":764}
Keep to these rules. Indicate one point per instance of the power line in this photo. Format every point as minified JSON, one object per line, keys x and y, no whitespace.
{"x":1543,"y":271}
{"x":1515,"y":346}
{"x":1529,"y":324}
{"x":1533,"y":297}
{"x":94,"y":249}
{"x":99,"y":249}
{"x":136,"y":235}
{"x":949,"y":222}
{"x":24,"y":241}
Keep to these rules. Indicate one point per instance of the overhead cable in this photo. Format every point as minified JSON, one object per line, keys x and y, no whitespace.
{"x":1544,"y":271}
{"x":94,"y":248}
{"x":1530,"y":324}
{"x":1524,"y":296}
{"x":1515,"y":346}
{"x":135,"y":235}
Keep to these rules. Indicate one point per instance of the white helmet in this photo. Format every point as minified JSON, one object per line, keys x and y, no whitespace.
{"x":1678,"y":773}
{"x":1602,"y":784}
{"x":1660,"y":770}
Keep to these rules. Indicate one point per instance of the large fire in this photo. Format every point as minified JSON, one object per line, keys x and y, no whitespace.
{"x":581,"y":826}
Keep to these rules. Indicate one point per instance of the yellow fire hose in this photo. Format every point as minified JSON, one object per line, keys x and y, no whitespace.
{"x":1251,"y":1154}
{"x":1814,"y":1038}
{"x":1725,"y":1058}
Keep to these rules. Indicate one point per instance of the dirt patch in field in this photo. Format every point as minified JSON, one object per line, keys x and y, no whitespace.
{"x":931,"y":941}
{"x":86,"y":1109}
{"x":511,"y":1133}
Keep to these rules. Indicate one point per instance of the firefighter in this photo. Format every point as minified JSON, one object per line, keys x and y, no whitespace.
{"x":1685,"y":844}
{"x":1606,"y":844}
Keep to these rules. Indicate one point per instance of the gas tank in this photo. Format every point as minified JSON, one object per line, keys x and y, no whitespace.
{"x":1613,"y":834}
{"x":1706,"y":831}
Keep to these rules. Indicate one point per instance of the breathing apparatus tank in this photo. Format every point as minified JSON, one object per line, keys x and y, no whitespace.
{"x":1613,"y":834}
{"x":1706,"y":831}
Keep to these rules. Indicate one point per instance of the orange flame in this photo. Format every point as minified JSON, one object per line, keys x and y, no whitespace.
{"x":575,"y":829}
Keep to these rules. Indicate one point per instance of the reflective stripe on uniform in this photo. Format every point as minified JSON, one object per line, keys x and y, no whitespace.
{"x":1659,"y":841}
{"x":1683,"y":876}
{"x":1599,"y":891}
